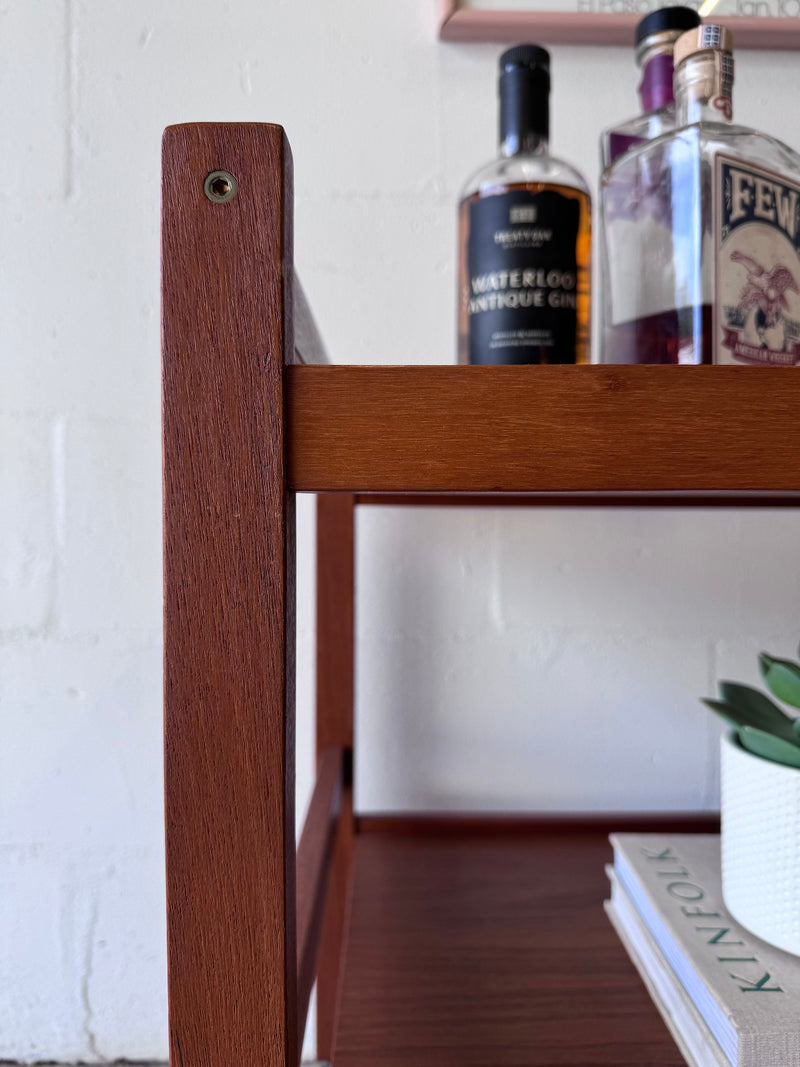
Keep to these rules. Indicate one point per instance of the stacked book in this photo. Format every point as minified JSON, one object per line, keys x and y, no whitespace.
{"x":728,"y":998}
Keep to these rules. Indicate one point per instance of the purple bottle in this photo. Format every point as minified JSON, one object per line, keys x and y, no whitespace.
{"x":655,"y":36}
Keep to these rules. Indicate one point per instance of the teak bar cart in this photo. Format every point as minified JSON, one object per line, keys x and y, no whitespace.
{"x":438,"y":941}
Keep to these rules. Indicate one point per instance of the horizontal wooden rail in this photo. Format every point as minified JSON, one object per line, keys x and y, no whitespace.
{"x":598,"y":429}
{"x":559,"y":824}
{"x":580,"y":500}
{"x":314,"y":861}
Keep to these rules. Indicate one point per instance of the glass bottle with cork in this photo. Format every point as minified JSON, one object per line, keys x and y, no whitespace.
{"x":702,"y":231}
{"x":524,"y":252}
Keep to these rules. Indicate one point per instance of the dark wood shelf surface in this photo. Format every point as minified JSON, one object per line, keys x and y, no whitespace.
{"x":697,"y":431}
{"x":473,"y":949}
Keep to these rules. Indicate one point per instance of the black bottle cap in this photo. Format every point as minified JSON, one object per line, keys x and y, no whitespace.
{"x":524,"y":92}
{"x":667,"y":18}
{"x":530,"y":57}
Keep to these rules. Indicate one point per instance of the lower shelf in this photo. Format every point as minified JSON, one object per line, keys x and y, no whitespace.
{"x":476,"y":949}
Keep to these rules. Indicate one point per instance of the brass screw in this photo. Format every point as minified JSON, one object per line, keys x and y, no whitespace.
{"x":220,"y":186}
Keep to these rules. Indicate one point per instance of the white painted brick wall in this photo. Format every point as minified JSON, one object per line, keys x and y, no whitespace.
{"x":536,"y":659}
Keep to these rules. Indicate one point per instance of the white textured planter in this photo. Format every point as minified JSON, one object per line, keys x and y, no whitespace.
{"x":760,"y":807}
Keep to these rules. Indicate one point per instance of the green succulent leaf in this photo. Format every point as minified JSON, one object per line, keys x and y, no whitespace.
{"x":750,"y":707}
{"x":725,"y":711}
{"x":782,"y":677}
{"x":770,"y":747}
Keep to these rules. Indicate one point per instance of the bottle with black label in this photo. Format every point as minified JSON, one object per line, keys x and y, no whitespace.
{"x":524,"y":236}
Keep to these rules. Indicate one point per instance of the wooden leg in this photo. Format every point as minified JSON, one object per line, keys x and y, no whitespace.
{"x":228,"y":600}
{"x":334,"y":932}
{"x":335,"y":689}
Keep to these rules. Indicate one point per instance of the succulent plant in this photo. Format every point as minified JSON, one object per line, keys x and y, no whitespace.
{"x":762,"y":726}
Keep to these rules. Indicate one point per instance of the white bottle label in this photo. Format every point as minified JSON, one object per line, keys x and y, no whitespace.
{"x":757,"y":233}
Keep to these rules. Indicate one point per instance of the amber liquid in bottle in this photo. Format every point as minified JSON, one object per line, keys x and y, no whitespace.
{"x":524,"y":241}
{"x":570,"y":299}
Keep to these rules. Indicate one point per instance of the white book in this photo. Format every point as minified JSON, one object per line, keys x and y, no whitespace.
{"x":683,"y":1020}
{"x":746,"y":992}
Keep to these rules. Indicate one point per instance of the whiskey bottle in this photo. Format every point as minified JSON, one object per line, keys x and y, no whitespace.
{"x":524,"y":235}
{"x":655,"y":38}
{"x":702,"y":231}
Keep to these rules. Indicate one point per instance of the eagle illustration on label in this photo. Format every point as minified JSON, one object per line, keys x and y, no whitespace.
{"x":757,"y":300}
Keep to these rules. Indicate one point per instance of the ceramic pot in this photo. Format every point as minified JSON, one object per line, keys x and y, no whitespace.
{"x":760,"y":806}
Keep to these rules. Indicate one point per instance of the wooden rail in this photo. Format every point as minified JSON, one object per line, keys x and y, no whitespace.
{"x":314,"y":864}
{"x":596,"y":429}
{"x":582,"y":500}
{"x":335,"y":694}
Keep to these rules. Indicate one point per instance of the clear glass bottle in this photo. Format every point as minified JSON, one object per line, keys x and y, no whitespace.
{"x":702,"y":231}
{"x":655,"y":39}
{"x":524,"y":256}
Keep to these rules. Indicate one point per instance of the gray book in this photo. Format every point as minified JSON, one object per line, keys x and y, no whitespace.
{"x":746,"y":992}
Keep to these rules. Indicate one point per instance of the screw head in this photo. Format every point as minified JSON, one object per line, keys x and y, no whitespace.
{"x":220,"y":186}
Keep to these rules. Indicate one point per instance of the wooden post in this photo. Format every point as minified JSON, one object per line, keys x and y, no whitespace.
{"x":335,"y":695}
{"x":229,"y":598}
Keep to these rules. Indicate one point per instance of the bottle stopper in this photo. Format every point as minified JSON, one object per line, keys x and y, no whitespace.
{"x":708,"y":38}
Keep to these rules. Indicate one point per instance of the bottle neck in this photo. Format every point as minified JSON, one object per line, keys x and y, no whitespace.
{"x":654,"y":57}
{"x":524,"y":113}
{"x":528,"y":143}
{"x":703,"y":87}
{"x":655,"y":88}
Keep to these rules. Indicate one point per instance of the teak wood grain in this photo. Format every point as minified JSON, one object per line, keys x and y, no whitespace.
{"x":330,"y":959}
{"x":591,"y":429}
{"x":315,"y":852}
{"x":228,"y":600}
{"x":335,"y":694}
{"x":642,"y":498}
{"x":335,"y":620}
{"x":521,"y":825}
{"x":495,"y":950}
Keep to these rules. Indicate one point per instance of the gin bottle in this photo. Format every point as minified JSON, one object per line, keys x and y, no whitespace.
{"x":655,"y":37}
{"x":524,"y":236}
{"x":701,"y":231}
